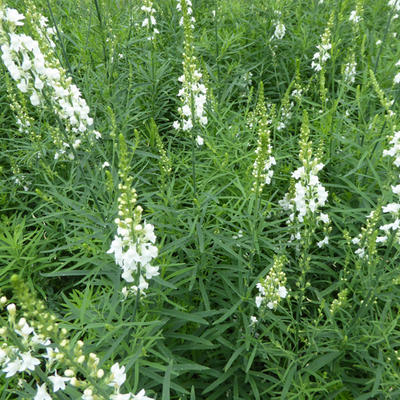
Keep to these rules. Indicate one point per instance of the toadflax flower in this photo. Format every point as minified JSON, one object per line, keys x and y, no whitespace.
{"x":323,"y":53}
{"x":308,"y":195}
{"x":272,"y":288}
{"x":37,"y":72}
{"x":134,"y":244}
{"x":149,"y":21}
{"x":264,"y":162}
{"x":193,"y":94}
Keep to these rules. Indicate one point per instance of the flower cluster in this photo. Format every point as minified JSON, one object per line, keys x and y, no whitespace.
{"x":39,"y":343}
{"x":262,"y":168}
{"x":133,"y":245}
{"x":367,"y":238}
{"x":287,"y":107}
{"x":354,"y":17}
{"x":308,"y":194}
{"x":392,"y":208}
{"x":149,"y":21}
{"x":185,"y":7}
{"x":339,"y":302}
{"x":37,"y":72}
{"x":193,"y":93}
{"x":272,"y":287}
{"x":396,"y":79}
{"x":349,"y":72}
{"x":280,"y":28}
{"x":323,"y":53}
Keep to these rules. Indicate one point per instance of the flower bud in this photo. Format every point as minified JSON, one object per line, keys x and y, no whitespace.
{"x":81,"y":360}
{"x":11,"y":308}
{"x":21,"y":322}
{"x":100,"y":373}
{"x":74,"y":382}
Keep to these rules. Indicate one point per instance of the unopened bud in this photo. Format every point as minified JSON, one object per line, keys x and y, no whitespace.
{"x":81,"y":359}
{"x":74,"y":381}
{"x":69,"y":373}
{"x":21,"y":322}
{"x":100,"y":373}
{"x":11,"y":308}
{"x":3,"y":300}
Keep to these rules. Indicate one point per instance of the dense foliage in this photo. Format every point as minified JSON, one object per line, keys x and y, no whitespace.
{"x":199,"y":201}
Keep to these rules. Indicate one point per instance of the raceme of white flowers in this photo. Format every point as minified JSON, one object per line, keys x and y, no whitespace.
{"x":193,"y":93}
{"x":181,"y":6}
{"x":262,"y":167}
{"x":323,"y":53}
{"x":272,"y":288}
{"x":133,"y":245}
{"x":392,"y":208}
{"x":308,"y":194}
{"x":149,"y":21}
{"x":280,"y":28}
{"x":37,"y":350}
{"x":349,"y":73}
{"x":37,"y":72}
{"x":354,"y":17}
{"x":279,"y":32}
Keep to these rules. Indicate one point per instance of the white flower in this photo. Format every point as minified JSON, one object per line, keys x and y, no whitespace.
{"x":13,"y":16}
{"x":118,"y":375}
{"x":58,"y":382}
{"x":199,"y":140}
{"x":323,"y":242}
{"x":279,"y":31}
{"x":391,"y":208}
{"x":360,"y":252}
{"x":26,"y":330}
{"x":299,"y":173}
{"x":186,"y":110}
{"x":324,"y":218}
{"x":87,"y":395}
{"x":12,"y":367}
{"x":396,"y":78}
{"x":35,"y":100}
{"x":354,"y":17}
{"x":253,"y":320}
{"x":282,"y":291}
{"x":28,"y":362}
{"x":41,"y":393}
